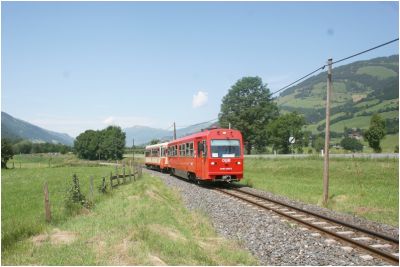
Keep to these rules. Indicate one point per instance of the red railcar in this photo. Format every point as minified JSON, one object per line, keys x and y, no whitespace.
{"x":156,"y":156}
{"x":211,"y":155}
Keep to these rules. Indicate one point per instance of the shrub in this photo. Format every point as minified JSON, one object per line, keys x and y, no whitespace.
{"x":75,"y":199}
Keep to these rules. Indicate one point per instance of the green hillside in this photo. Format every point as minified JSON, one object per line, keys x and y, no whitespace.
{"x":360,"y":89}
{"x":14,"y":128}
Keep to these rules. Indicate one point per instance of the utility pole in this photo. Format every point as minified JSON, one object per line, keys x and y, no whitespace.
{"x":327,"y":129}
{"x":174,"y":131}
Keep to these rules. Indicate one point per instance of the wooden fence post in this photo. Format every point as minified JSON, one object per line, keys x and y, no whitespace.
{"x":123,"y":173}
{"x":130,"y":174}
{"x":116,"y":172}
{"x":47,"y":203}
{"x":111,"y":185}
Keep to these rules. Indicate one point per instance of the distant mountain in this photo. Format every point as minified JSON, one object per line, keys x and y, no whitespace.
{"x":360,"y":89}
{"x":14,"y":128}
{"x":144,"y":134}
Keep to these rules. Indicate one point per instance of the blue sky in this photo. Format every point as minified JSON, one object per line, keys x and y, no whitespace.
{"x":72,"y":66}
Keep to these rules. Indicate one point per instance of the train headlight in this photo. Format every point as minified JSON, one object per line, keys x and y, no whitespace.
{"x":238,"y":163}
{"x":213,"y":163}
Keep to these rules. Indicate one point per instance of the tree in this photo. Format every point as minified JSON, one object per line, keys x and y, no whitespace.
{"x":351,"y":144}
{"x":154,"y":141}
{"x":318,"y":144}
{"x":86,"y":145}
{"x":22,"y":147}
{"x":112,"y":143}
{"x":375,"y":133}
{"x":6,"y":152}
{"x":285,"y":126}
{"x":248,"y":106}
{"x":106,"y":144}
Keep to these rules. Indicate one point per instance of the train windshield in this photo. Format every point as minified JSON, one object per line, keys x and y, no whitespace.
{"x":225,"y":148}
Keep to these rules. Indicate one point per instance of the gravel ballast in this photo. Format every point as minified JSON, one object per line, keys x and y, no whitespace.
{"x":272,"y":239}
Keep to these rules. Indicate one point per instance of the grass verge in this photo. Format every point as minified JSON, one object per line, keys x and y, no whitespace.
{"x":143,"y":223}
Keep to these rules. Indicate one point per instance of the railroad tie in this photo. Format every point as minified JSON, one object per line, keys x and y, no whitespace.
{"x":345,"y":233}
{"x":331,"y":227}
{"x":381,"y":246}
{"x":290,"y":212}
{"x":319,"y":223}
{"x":363,"y":238}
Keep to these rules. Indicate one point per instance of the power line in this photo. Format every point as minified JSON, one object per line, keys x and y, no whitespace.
{"x":365,"y":51}
{"x":311,"y":73}
{"x":335,"y":62}
{"x":185,"y":126}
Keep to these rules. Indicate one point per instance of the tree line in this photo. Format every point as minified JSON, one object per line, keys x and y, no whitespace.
{"x":106,"y":144}
{"x":11,"y":147}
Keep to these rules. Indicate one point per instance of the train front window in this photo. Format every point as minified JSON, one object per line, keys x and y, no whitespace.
{"x":225,"y":148}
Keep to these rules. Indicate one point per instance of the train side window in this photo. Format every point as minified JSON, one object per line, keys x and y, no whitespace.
{"x":191,"y":149}
{"x":187,"y":152}
{"x":182,"y":150}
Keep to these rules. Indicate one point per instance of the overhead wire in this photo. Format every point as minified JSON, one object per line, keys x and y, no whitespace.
{"x":185,"y":126}
{"x":334,"y":62}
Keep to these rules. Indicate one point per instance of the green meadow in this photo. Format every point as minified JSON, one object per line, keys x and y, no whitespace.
{"x":367,"y":188}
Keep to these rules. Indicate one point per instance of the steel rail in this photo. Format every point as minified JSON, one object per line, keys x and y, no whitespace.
{"x":383,"y":254}
{"x":358,"y":228}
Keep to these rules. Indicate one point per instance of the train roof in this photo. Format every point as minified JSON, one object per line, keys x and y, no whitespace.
{"x":157,"y":145}
{"x":205,"y":133}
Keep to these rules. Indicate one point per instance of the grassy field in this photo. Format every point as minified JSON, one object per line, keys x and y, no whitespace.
{"x":366,"y":188}
{"x":22,"y":193}
{"x":140,"y":223}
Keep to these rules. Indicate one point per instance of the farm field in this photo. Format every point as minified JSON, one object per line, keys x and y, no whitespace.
{"x":140,"y":223}
{"x":364,"y":187}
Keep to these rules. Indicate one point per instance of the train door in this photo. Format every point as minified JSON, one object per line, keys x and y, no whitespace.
{"x":201,"y":158}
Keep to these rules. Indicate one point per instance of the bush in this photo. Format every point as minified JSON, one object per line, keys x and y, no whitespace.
{"x":351,"y":144}
{"x":75,"y":199}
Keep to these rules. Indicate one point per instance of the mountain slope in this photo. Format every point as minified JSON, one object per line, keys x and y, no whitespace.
{"x":360,"y":89}
{"x":14,"y":128}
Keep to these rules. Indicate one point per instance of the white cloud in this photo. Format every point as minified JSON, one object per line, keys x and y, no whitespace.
{"x":109,"y":120}
{"x":128,"y":121}
{"x":200,"y":99}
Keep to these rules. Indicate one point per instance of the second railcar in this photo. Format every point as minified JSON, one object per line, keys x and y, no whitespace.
{"x":156,"y":157}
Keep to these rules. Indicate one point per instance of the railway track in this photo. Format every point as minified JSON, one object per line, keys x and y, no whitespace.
{"x":379,"y":245}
